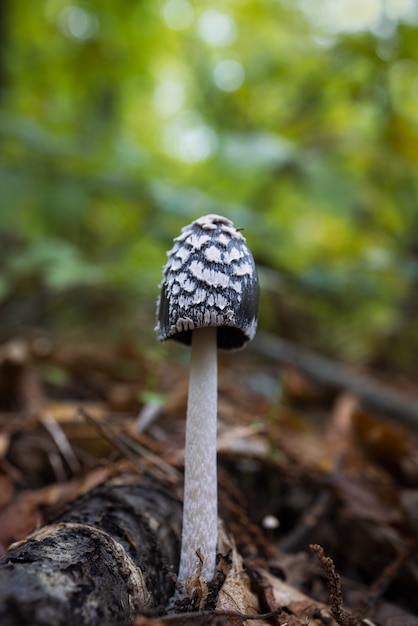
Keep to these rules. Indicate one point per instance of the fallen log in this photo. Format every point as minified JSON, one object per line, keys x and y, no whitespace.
{"x":111,"y":555}
{"x":373,"y":394}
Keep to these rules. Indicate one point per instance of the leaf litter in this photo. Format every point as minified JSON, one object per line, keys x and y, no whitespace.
{"x":338,"y":484}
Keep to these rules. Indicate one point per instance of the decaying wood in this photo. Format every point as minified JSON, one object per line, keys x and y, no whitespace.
{"x":330,"y":373}
{"x":106,"y":559}
{"x":111,"y":557}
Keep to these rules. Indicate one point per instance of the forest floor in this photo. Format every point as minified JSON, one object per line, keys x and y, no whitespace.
{"x":319,"y":495}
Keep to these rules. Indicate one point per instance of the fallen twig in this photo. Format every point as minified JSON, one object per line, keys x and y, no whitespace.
{"x":331,"y":373}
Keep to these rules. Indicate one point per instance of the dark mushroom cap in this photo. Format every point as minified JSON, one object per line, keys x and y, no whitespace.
{"x":210,"y":279}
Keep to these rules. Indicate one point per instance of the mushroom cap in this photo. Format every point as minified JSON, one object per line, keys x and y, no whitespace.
{"x":210,"y":279}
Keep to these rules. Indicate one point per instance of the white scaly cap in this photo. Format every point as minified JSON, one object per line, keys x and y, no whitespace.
{"x":210,"y":279}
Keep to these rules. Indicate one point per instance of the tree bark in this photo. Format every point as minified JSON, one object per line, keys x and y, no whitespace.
{"x":107,"y":558}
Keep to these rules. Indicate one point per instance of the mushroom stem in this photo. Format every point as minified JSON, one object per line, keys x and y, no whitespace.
{"x":200,"y":512}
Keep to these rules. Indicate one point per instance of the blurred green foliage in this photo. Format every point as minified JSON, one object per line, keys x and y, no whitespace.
{"x":122,"y":121}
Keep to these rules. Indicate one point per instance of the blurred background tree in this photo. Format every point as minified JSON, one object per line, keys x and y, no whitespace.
{"x":122,"y":121}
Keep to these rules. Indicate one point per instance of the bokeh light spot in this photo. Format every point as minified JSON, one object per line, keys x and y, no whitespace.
{"x":78,"y":23}
{"x":169,"y":95}
{"x":178,"y":14}
{"x":217,"y":28}
{"x":189,"y":139}
{"x":228,"y":75}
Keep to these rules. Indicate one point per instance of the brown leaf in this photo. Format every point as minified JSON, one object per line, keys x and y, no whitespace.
{"x":19,"y":518}
{"x":235,"y":593}
{"x":298,"y":608}
{"x":386,"y":444}
{"x":6,"y":490}
{"x":23,"y":514}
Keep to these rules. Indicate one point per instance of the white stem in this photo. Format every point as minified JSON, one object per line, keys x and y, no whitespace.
{"x":200,"y":512}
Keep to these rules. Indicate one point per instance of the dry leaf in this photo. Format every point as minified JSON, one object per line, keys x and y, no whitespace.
{"x":235,"y":593}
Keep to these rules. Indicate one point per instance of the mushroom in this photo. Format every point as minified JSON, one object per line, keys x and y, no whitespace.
{"x":209,"y":300}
